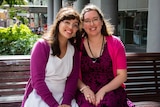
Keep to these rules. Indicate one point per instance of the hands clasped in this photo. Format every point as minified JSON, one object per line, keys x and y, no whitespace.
{"x":91,"y":97}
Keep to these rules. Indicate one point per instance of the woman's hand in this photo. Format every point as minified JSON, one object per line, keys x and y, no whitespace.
{"x":99,"y":96}
{"x":64,"y":105}
{"x":89,"y":95}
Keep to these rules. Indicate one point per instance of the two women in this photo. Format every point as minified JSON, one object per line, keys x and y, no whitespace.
{"x":55,"y":64}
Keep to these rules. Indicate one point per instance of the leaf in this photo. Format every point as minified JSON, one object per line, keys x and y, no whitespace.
{"x":16,"y":40}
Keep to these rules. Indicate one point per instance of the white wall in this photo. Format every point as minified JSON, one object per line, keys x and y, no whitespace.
{"x":96,"y":2}
{"x":140,"y":5}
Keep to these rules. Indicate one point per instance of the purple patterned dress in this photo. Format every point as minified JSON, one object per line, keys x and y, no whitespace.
{"x":96,"y":75}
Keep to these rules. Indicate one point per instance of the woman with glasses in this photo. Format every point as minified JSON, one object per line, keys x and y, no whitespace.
{"x":55,"y":63}
{"x":103,"y":63}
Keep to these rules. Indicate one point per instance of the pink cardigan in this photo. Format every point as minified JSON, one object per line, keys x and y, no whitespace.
{"x":39,"y":58}
{"x":118,"y":54}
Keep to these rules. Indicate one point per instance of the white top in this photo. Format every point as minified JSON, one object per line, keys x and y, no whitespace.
{"x":57,"y":71}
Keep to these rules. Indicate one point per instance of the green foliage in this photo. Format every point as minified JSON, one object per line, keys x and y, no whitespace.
{"x":24,"y":20}
{"x":16,"y":40}
{"x":11,"y":3}
{"x":15,"y":2}
{"x":12,"y":13}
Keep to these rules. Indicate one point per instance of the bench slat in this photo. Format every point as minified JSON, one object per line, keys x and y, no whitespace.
{"x":14,"y":68}
{"x":143,"y":82}
{"x":14,"y":74}
{"x":151,"y":85}
{"x":12,"y":92}
{"x":143,"y":97}
{"x":146,"y":80}
{"x":13,"y":86}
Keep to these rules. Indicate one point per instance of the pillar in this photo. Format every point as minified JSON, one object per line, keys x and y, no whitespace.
{"x":57,"y":5}
{"x":153,"y":30}
{"x":110,"y":10}
{"x":79,"y":4}
{"x":50,"y":12}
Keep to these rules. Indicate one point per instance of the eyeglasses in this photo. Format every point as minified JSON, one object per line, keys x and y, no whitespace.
{"x":73,"y":25}
{"x":94,"y":20}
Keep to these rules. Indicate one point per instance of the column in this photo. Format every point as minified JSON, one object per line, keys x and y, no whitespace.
{"x":153,"y":30}
{"x":110,"y":10}
{"x":50,"y":12}
{"x":57,"y":6}
{"x":79,"y":4}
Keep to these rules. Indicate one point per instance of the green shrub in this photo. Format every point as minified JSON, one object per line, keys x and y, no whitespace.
{"x":16,"y":40}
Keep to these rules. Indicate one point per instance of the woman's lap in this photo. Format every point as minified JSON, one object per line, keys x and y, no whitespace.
{"x":112,"y":99}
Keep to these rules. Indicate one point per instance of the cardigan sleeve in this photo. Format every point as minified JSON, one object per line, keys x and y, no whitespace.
{"x":117,"y":52}
{"x":72,"y":80}
{"x":39,"y":58}
{"x":121,"y":55}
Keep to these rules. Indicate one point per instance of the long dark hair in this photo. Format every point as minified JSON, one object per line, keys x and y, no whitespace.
{"x":66,"y":13}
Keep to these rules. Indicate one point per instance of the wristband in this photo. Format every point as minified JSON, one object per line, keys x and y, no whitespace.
{"x":86,"y":86}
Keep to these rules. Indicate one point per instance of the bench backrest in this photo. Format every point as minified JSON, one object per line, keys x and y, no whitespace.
{"x":14,"y":74}
{"x":143,"y":82}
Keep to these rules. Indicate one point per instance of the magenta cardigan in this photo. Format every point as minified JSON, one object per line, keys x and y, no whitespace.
{"x":118,"y":54}
{"x":39,"y":58}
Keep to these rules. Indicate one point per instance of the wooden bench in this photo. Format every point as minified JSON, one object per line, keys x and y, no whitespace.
{"x":143,"y":82}
{"x":14,"y":74}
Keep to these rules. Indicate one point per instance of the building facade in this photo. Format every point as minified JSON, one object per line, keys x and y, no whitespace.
{"x":136,"y":21}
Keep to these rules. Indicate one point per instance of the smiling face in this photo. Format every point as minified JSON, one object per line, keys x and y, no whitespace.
{"x":66,"y":25}
{"x":92,"y":24}
{"x":68,"y":28}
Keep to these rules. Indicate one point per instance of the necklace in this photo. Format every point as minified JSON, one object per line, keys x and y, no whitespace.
{"x":95,"y":59}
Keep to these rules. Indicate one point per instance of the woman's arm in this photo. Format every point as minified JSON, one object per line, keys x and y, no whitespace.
{"x":88,"y":93}
{"x":72,"y":80}
{"x":114,"y":84}
{"x":39,"y":59}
